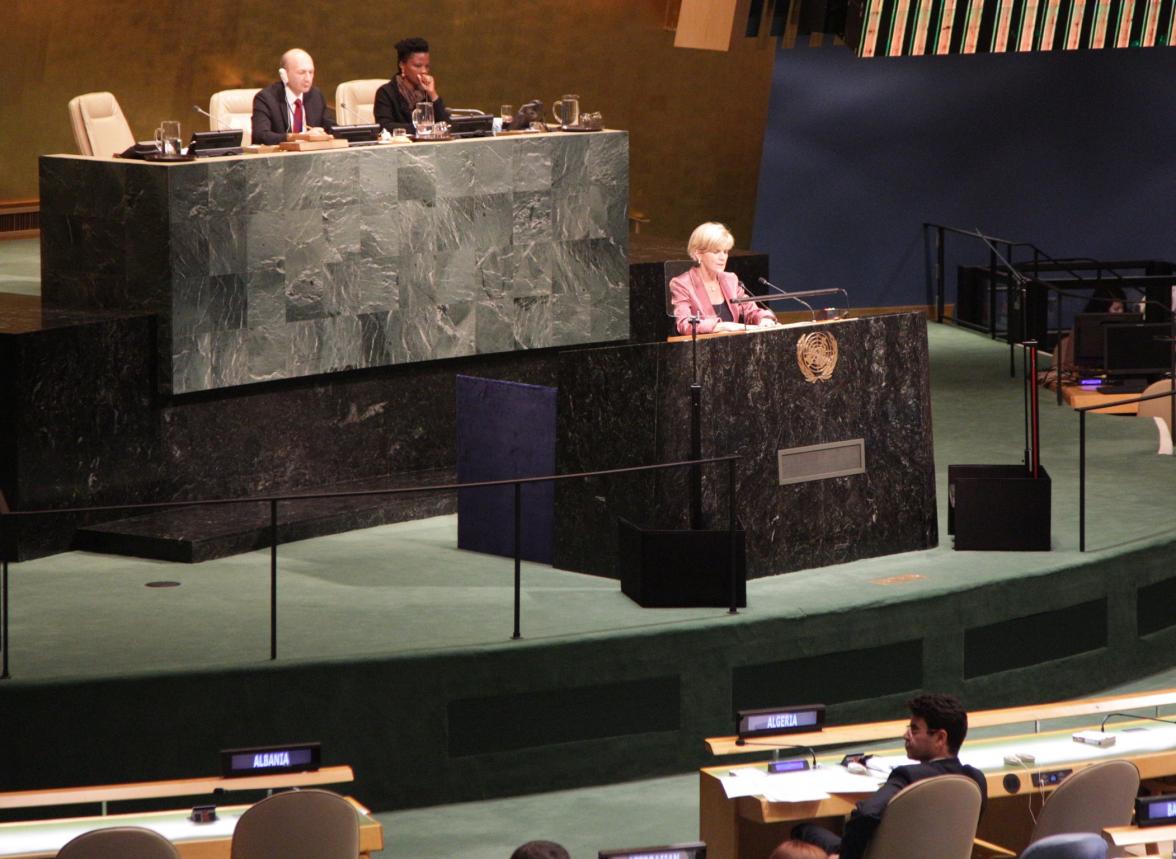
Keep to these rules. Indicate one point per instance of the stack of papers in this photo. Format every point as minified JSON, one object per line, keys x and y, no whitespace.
{"x":803,"y":786}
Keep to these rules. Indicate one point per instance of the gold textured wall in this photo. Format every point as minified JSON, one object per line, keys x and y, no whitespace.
{"x":696,"y":117}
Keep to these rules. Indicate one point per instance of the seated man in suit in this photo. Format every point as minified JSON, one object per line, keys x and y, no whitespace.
{"x":937,"y":729}
{"x":292,"y":104}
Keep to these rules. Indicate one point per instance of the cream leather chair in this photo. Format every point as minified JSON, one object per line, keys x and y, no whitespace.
{"x":355,"y":101}
{"x":1161,"y":412}
{"x":99,"y":127}
{"x":1089,"y":801}
{"x":935,"y":817}
{"x":307,"y":824}
{"x":233,"y":108}
{"x":119,"y":842}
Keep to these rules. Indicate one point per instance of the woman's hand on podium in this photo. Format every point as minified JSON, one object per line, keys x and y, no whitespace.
{"x":767,"y":322}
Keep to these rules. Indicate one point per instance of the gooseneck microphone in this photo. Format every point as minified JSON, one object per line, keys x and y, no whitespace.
{"x":354,"y":115}
{"x":795,"y":296}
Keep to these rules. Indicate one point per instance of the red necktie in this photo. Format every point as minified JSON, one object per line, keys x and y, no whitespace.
{"x":297,"y":115}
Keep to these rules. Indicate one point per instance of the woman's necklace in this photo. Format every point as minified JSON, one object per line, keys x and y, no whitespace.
{"x":713,"y":291}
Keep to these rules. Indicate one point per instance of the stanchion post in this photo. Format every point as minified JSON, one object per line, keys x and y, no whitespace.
{"x":518,"y":557}
{"x":1082,"y":481}
{"x":939,"y":275}
{"x":734,"y":608}
{"x":273,"y":578}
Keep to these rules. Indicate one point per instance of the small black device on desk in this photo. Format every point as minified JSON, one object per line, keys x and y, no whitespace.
{"x":471,"y":126}
{"x":267,"y":760}
{"x":208,"y":144}
{"x":357,"y":135}
{"x":780,"y":720}
{"x":1155,"y":810}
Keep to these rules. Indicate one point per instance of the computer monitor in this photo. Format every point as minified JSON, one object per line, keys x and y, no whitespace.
{"x":1088,"y":335}
{"x":205,"y":144}
{"x":1139,"y":349}
{"x":471,"y":126}
{"x":691,"y":850}
{"x":357,"y":135}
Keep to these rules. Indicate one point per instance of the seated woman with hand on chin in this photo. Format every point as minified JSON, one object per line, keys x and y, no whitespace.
{"x":707,"y":289}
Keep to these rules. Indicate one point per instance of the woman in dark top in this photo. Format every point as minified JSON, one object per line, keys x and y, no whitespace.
{"x":396,"y":99}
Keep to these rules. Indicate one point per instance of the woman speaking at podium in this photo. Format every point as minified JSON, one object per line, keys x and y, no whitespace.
{"x":707,"y":288}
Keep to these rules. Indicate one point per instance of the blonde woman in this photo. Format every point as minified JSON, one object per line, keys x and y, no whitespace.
{"x":707,"y":289}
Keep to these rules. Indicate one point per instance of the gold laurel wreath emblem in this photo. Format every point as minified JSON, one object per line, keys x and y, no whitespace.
{"x":816,"y":353}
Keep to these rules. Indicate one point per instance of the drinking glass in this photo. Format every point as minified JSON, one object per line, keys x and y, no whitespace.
{"x":168,"y":138}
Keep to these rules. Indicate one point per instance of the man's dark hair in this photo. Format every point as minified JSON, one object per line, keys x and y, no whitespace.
{"x":942,"y":712}
{"x":540,"y":850}
{"x":405,"y":48}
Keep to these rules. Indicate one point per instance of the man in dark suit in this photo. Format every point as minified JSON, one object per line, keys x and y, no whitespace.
{"x":292,"y":104}
{"x":937,"y":729}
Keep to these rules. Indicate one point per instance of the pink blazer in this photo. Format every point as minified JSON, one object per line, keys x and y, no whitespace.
{"x":690,"y":299}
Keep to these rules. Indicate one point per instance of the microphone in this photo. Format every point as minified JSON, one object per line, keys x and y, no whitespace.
{"x":777,"y":747}
{"x":214,"y":119}
{"x":1103,"y":725}
{"x":354,"y":114}
{"x":763,"y":281}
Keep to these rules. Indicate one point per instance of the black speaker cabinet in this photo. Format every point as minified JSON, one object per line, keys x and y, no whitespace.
{"x":998,"y":507}
{"x":680,"y":569}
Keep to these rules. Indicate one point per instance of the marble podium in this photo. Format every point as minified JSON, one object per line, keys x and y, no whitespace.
{"x":756,"y":402}
{"x":267,"y":267}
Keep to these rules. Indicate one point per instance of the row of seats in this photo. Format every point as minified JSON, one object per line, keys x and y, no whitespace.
{"x":101,"y":129}
{"x":308,"y":824}
{"x":937,"y":818}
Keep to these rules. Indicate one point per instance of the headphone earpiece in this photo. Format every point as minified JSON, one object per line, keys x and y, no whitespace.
{"x":285,"y":77}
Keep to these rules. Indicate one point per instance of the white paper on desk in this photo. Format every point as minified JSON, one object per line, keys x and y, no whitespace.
{"x":794,"y":787}
{"x":840,"y":780}
{"x":744,"y":782}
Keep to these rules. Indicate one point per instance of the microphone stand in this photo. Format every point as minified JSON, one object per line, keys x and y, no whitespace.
{"x":696,"y":520}
{"x":781,"y":295}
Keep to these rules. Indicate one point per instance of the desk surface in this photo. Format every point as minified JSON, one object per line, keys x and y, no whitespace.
{"x":1078,"y":396}
{"x":873,"y":731}
{"x":171,"y":788}
{"x":43,"y":838}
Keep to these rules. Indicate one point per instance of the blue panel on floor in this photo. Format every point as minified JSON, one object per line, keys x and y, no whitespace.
{"x":505,"y":430}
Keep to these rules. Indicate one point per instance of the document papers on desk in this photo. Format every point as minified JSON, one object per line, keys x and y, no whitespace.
{"x":804,"y":786}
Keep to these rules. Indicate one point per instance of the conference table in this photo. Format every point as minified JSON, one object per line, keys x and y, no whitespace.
{"x":42,"y":839}
{"x":744,"y":812}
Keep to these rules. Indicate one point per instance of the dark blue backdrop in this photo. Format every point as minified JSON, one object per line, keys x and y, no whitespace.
{"x":1074,"y":151}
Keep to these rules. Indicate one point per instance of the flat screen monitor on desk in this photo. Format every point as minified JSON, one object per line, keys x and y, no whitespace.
{"x":1088,"y":335}
{"x":357,"y":135}
{"x":1140,"y":349}
{"x":206,"y":144}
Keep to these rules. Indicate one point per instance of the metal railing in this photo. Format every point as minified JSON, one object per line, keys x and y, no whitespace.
{"x":1082,"y":410}
{"x":274,"y":500}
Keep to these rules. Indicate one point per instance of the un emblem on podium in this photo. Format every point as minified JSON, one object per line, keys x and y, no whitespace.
{"x":816,"y":353}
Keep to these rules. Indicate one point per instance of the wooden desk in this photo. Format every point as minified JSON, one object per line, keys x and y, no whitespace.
{"x":749,"y":827}
{"x":1078,"y":396}
{"x":1152,"y":836}
{"x":105,"y":793}
{"x":42,"y":839}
